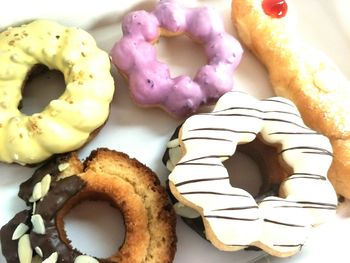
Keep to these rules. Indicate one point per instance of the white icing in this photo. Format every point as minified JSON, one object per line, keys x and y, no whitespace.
{"x":200,"y":181}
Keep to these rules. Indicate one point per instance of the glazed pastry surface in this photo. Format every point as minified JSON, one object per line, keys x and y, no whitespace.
{"x":67,"y":122}
{"x":231,"y":216}
{"x":302,"y":74}
{"x":149,"y":80}
{"x":106,"y":175}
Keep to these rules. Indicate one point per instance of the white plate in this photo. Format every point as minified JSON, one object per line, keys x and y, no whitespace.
{"x":143,"y":133}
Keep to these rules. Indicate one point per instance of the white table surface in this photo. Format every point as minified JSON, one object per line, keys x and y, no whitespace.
{"x":143,"y":133}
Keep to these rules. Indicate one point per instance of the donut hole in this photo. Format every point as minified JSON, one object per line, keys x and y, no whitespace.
{"x":94,"y":227}
{"x":244,"y":173}
{"x":182,"y":55}
{"x":41,"y":86}
{"x":256,"y":168}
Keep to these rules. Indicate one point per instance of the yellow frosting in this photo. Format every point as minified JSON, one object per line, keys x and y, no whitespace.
{"x":66,"y":123}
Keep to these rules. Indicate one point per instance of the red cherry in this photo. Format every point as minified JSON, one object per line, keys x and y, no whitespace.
{"x":275,"y":8}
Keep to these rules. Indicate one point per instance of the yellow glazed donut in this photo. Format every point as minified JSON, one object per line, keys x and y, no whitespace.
{"x":302,"y":74}
{"x":232,"y":218}
{"x":68,"y":122}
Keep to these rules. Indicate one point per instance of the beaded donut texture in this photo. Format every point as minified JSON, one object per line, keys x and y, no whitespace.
{"x":66,"y":123}
{"x":150,"y":82}
{"x":232,"y":218}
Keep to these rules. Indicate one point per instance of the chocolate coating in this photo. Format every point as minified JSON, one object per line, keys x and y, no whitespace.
{"x":50,"y":242}
{"x":9,"y":246}
{"x":50,"y":167}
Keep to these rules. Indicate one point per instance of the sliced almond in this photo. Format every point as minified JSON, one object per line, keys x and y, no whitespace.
{"x":85,"y":259}
{"x":38,"y":251}
{"x":63,"y":166}
{"x":52,"y":258}
{"x":185,"y":211}
{"x":34,"y":208}
{"x":38,"y":224}
{"x":25,"y":252}
{"x":173,"y":143}
{"x":36,"y":195}
{"x":20,"y":230}
{"x":45,"y":185}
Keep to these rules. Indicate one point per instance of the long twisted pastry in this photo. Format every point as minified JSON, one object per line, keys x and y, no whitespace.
{"x":302,"y":74}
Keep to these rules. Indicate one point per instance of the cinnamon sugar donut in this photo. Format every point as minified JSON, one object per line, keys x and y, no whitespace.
{"x":150,"y":83}
{"x":67,"y":122}
{"x":302,"y":74}
{"x":106,"y":175}
{"x":232,"y":218}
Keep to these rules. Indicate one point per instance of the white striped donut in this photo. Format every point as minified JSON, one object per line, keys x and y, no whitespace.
{"x":232,"y":218}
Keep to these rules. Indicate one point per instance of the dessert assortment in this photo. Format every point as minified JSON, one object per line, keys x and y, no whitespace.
{"x":298,"y":139}
{"x":149,"y":80}
{"x":71,"y":120}
{"x":301,"y":73}
{"x":65,"y":181}
{"x":232,"y":218}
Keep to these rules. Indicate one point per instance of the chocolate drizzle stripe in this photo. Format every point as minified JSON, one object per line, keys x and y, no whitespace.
{"x":206,"y":138}
{"x":316,"y":203}
{"x":201,"y":180}
{"x":234,"y":115}
{"x":306,"y":206}
{"x":281,"y":223}
{"x":237,"y":208}
{"x":285,"y":121}
{"x":223,"y":130}
{"x":311,"y":174}
{"x":288,"y":245}
{"x":207,"y":157}
{"x":300,"y":202}
{"x":212,"y":193}
{"x":295,"y":133}
{"x":237,"y":108}
{"x":316,"y":150}
{"x":319,"y":153}
{"x":278,"y":101}
{"x":231,"y":218}
{"x":307,"y":177}
{"x":283,"y":112}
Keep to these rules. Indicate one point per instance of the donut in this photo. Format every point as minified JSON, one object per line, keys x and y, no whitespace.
{"x":105,"y":175}
{"x":302,"y":74}
{"x":150,"y":83}
{"x":232,"y":218}
{"x":68,"y":122}
{"x":266,"y":157}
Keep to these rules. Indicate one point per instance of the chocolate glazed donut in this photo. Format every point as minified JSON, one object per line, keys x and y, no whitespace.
{"x":58,"y":186}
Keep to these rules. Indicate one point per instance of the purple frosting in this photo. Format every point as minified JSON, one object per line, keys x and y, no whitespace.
{"x":149,"y":79}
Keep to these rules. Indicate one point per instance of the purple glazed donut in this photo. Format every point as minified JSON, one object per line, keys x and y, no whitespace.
{"x":150,"y":83}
